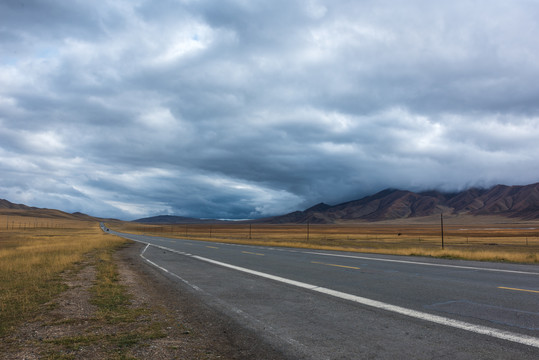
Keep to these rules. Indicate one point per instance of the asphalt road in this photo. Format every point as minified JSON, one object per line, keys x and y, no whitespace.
{"x":313,"y":304}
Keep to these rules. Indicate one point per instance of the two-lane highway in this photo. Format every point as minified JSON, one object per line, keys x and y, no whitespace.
{"x":330,"y":305}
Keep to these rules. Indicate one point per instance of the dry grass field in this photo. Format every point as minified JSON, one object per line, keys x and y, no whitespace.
{"x":70,"y":291}
{"x":485,"y":239}
{"x":34,"y":251}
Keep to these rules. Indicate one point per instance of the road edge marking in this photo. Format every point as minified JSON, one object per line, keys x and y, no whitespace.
{"x":478,"y":329}
{"x":234,"y":309}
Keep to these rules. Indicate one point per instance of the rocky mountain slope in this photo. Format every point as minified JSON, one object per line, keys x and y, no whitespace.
{"x":510,"y":201}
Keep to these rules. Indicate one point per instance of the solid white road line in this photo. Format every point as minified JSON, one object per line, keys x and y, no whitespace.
{"x":478,"y":329}
{"x":234,"y":309}
{"x":166,"y":270}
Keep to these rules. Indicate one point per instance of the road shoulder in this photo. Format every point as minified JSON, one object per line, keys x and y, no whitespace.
{"x":209,"y":332}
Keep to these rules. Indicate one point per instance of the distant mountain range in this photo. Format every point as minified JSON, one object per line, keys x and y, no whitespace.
{"x":171,"y":219}
{"x":520,"y":202}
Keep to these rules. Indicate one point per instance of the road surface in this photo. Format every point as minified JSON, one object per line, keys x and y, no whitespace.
{"x":314,"y":304}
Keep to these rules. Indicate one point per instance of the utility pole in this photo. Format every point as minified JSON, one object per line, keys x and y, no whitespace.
{"x":250,"y":232}
{"x":307,"y":231}
{"x":442,"y":227}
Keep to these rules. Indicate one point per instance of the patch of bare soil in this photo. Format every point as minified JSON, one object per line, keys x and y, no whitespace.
{"x":168,"y":324}
{"x":69,"y":315}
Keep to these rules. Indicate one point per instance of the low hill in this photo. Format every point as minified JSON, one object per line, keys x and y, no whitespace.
{"x":520,"y":202}
{"x":4,"y":204}
{"x":11,"y":209}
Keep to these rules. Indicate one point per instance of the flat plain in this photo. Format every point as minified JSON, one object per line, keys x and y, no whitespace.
{"x":484,"y":238}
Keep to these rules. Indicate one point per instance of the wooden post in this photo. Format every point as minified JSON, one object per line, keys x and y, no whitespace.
{"x":442,"y":227}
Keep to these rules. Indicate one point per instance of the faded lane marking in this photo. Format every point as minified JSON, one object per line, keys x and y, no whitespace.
{"x":423,"y":263}
{"x":212,"y":247}
{"x":508,"y":288}
{"x":342,"y":266}
{"x":252,"y":253}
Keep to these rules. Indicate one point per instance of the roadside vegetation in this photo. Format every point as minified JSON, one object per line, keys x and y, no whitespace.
{"x":34,"y":252}
{"x":116,"y":327}
{"x":67,"y":293}
{"x":482,"y":241}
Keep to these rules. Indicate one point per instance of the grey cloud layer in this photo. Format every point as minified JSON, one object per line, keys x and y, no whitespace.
{"x":239,"y":109}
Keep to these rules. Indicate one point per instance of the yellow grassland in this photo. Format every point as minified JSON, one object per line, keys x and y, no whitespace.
{"x":514,"y":242}
{"x":34,"y":251}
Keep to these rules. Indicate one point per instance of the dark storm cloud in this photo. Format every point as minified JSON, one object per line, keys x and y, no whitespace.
{"x":240,"y":109}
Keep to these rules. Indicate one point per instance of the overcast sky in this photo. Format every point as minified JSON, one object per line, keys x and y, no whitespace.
{"x":242,"y":109}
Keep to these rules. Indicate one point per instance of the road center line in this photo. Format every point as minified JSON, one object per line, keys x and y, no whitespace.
{"x":252,"y":253}
{"x":478,"y":329}
{"x":423,"y":263}
{"x":508,"y":288}
{"x":342,"y":266}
